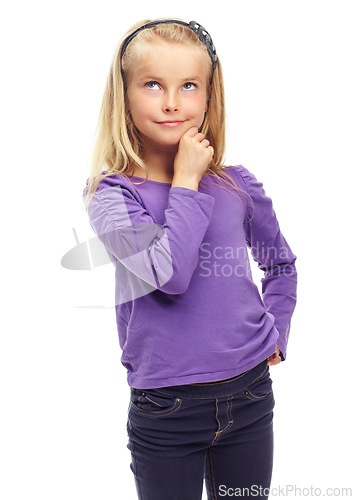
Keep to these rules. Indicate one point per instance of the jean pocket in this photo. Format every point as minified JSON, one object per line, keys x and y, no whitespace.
{"x":153,"y":403}
{"x":260,"y":388}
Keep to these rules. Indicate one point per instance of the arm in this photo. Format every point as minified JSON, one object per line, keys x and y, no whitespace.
{"x":274,"y":257}
{"x":153,"y":253}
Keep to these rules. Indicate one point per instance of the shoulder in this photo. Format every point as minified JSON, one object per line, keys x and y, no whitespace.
{"x":113,"y":183}
{"x":239,"y":172}
{"x":244,"y":179}
{"x":258,"y":201}
{"x":113,"y":199}
{"x":251,"y":183}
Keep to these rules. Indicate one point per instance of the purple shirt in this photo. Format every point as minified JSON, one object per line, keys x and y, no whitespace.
{"x":187,"y":308}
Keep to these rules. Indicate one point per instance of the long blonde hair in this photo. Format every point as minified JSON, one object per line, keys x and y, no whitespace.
{"x":117,"y":145}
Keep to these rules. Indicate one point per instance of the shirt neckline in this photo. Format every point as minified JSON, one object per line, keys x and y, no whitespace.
{"x":150,"y":180}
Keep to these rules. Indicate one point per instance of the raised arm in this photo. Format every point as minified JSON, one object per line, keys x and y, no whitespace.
{"x":163,"y":256}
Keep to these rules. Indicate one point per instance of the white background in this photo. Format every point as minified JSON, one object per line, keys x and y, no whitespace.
{"x":64,"y":395}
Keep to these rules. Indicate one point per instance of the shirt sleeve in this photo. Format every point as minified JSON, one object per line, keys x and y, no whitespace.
{"x":163,"y":256}
{"x":274,"y":257}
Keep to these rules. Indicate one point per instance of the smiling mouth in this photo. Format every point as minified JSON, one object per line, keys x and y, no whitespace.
{"x":171,"y":123}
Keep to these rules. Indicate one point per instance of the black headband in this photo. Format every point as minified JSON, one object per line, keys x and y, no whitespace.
{"x":200,"y":31}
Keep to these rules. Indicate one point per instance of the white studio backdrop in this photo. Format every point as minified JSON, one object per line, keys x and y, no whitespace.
{"x":63,"y":390}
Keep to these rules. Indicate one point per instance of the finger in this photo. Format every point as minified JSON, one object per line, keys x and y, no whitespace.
{"x":205,"y":143}
{"x":273,"y":363}
{"x":199,"y":137}
{"x":274,"y":359}
{"x":191,"y":132}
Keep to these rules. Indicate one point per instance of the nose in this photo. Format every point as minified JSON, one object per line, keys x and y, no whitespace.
{"x":171,"y":101}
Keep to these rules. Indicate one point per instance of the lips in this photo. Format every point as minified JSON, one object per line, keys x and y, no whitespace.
{"x":171,"y":123}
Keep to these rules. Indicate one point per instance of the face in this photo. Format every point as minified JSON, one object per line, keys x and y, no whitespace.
{"x":167,"y":92}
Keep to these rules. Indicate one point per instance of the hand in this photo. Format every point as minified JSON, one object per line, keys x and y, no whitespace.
{"x":275,"y":358}
{"x":193,"y":156}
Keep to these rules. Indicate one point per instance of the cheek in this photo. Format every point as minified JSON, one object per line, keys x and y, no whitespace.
{"x":144,"y":106}
{"x":197,"y":103}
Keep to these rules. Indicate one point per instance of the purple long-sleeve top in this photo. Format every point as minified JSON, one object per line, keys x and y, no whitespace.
{"x":187,"y":308}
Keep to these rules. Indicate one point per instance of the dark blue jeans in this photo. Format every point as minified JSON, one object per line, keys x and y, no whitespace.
{"x":220,"y":432}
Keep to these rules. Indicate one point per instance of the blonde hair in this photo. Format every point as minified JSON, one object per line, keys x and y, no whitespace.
{"x":118,"y":145}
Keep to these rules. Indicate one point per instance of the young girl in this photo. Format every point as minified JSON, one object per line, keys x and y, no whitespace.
{"x":197,"y":338}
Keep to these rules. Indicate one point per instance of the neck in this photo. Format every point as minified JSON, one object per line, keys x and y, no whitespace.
{"x":159,"y":161}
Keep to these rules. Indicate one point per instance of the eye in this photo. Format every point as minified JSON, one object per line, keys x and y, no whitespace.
{"x":189,"y":86}
{"x":152,"y":85}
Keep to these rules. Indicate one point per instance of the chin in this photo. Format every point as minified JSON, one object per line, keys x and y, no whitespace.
{"x":172,"y":140}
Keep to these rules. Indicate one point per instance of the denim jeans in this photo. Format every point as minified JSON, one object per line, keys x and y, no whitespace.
{"x":220,"y":432}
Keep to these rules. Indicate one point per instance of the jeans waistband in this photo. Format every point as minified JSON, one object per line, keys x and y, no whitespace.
{"x":217,"y":389}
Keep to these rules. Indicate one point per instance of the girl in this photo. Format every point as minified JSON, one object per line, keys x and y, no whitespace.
{"x":197,"y":338}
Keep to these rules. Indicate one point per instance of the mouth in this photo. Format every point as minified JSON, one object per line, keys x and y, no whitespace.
{"x":171,"y":123}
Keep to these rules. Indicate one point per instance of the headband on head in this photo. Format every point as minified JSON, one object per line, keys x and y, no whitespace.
{"x":200,"y":31}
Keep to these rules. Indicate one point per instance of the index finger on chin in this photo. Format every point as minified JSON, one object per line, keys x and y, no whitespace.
{"x":191,"y":132}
